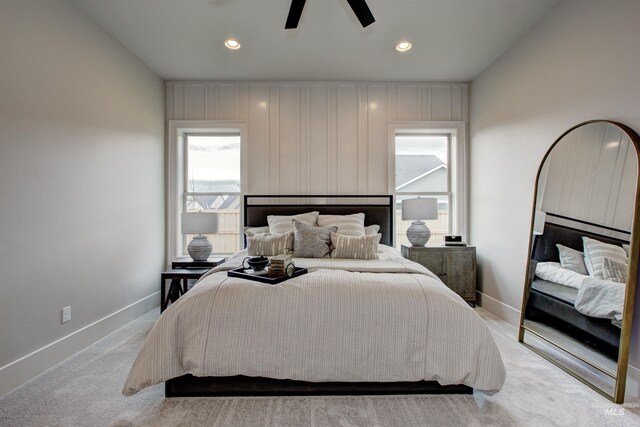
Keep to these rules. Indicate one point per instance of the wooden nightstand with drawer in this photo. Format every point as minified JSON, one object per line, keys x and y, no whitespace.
{"x":454,"y":265}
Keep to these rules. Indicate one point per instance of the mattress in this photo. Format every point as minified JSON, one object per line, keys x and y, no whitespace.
{"x":385,"y":320}
{"x":561,"y":292}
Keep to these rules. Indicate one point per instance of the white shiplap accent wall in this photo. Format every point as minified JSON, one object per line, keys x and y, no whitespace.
{"x":317,"y":138}
{"x":590,"y":175}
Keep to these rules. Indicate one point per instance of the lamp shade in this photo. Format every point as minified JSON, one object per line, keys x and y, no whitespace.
{"x":199,"y":223}
{"x":538,"y":222}
{"x":420,"y":208}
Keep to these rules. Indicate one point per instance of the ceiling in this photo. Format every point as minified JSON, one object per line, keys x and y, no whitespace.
{"x":453,"y":40}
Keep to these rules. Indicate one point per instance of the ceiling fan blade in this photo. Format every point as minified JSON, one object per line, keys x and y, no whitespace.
{"x":362,"y":12}
{"x":295,"y":11}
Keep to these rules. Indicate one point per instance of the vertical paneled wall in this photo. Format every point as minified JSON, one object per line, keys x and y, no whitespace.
{"x":317,"y":138}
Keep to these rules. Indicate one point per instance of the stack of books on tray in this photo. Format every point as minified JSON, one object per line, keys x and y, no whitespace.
{"x":279,"y":265}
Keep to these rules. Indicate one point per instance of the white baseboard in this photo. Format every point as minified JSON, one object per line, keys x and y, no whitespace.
{"x":632,"y":390}
{"x":500,"y":309}
{"x":33,"y":364}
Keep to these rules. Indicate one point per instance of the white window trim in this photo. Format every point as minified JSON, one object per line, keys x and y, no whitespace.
{"x":458,"y":158}
{"x":175,"y":177}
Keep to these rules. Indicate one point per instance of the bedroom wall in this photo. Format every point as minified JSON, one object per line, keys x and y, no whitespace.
{"x":81,"y":185}
{"x":317,"y":138}
{"x":581,"y":63}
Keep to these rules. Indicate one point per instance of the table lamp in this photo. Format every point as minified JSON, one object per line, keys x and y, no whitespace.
{"x":199,"y":223}
{"x":417,"y":210}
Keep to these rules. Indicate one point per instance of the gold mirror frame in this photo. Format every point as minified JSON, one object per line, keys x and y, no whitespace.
{"x":630,"y":289}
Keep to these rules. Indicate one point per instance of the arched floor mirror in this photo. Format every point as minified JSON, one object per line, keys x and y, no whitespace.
{"x":579,"y":292}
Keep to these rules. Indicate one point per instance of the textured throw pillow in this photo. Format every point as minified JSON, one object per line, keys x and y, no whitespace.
{"x":594,"y":253}
{"x":349,"y":225}
{"x":614,"y":270}
{"x":371,"y":230}
{"x":355,"y":247}
{"x":310,"y":241}
{"x":572,"y":260}
{"x":269,"y":244}
{"x":252,"y":231}
{"x":280,"y":224}
{"x":627,"y":249}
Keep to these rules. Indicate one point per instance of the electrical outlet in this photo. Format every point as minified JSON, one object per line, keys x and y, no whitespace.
{"x":66,"y":314}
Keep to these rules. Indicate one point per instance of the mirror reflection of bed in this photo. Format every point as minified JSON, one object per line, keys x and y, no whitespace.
{"x":582,"y":226}
{"x":551,"y":308}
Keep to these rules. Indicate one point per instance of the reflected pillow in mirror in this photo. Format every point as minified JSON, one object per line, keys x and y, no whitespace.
{"x":594,"y":253}
{"x":571,"y":259}
{"x":614,"y":270}
{"x":627,"y":249}
{"x":310,"y":241}
{"x":553,"y":272}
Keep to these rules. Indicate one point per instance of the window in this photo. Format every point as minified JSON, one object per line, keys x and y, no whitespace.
{"x":422,"y":163}
{"x":428,"y":161}
{"x":212,"y":184}
{"x":206,"y":173}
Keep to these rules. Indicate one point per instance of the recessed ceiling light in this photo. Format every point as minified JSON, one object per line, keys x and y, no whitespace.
{"x":232,"y":44}
{"x":403,"y":46}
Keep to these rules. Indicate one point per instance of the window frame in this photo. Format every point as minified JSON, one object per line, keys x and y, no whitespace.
{"x":176,"y":182}
{"x":456,"y":168}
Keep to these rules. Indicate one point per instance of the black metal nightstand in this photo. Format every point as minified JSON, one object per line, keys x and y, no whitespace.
{"x":183,"y":270}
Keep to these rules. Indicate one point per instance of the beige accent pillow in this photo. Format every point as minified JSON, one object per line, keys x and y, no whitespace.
{"x":349,"y":225}
{"x":370,"y":230}
{"x":252,"y":231}
{"x":269,"y":244}
{"x":355,"y":247}
{"x":279,"y":224}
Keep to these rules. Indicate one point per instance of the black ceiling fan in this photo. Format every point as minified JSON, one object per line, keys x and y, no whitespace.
{"x":360,"y":8}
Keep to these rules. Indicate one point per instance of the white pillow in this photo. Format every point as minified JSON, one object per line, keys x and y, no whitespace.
{"x":348,"y":225}
{"x":627,"y":249}
{"x":594,"y":253}
{"x":553,"y":272}
{"x":572,"y":260}
{"x":280,"y":224}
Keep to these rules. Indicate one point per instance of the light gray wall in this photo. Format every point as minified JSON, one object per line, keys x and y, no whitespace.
{"x":81,"y":184}
{"x":581,"y":63}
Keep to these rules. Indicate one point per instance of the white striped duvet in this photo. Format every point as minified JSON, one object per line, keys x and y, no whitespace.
{"x":346,"y":320}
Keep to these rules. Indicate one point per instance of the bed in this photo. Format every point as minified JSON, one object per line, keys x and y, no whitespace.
{"x":349,"y":326}
{"x":554,"y":304}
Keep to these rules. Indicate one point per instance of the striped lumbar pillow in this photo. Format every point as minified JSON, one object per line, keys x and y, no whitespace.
{"x":269,"y":244}
{"x":355,"y":247}
{"x":349,"y":225}
{"x":614,"y":270}
{"x":594,"y":253}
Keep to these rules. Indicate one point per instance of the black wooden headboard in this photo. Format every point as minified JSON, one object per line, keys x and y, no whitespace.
{"x":544,"y":248}
{"x":377,"y":209}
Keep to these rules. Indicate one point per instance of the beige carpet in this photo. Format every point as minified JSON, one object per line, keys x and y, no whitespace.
{"x":84,"y":390}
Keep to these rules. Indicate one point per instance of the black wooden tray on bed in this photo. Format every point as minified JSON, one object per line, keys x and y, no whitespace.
{"x":378,"y":210}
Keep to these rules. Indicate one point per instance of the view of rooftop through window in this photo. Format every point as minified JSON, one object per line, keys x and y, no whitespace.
{"x":422,"y":163}
{"x":212,"y":184}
